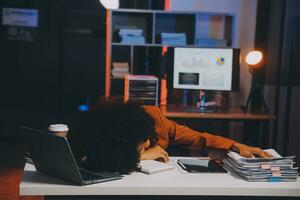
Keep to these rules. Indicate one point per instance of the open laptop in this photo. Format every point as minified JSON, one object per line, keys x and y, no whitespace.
{"x":53,"y":156}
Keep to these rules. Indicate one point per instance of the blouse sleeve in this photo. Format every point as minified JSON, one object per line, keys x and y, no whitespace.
{"x":169,"y":132}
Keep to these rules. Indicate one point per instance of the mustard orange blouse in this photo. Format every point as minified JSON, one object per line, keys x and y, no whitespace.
{"x":169,"y":132}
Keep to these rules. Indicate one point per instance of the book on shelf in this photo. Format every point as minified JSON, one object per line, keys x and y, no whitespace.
{"x":119,"y":69}
{"x":131,"y":36}
{"x":120,"y":64}
{"x":173,"y":38}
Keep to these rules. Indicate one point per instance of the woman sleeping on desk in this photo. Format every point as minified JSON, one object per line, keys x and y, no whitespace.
{"x":115,"y":136}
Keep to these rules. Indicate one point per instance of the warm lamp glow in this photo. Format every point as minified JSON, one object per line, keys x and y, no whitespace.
{"x":254,"y":57}
{"x":110,"y":4}
{"x":255,"y":100}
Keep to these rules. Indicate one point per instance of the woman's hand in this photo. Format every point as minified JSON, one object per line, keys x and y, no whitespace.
{"x":155,"y":152}
{"x":249,"y":152}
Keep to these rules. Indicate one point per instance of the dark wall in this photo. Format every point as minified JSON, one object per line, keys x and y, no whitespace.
{"x":45,"y":80}
{"x":83,"y":50}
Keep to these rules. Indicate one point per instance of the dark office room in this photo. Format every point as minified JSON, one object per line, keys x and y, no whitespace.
{"x":149,"y":99}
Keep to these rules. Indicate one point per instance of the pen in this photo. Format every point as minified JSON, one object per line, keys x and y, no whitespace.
{"x":181,"y":164}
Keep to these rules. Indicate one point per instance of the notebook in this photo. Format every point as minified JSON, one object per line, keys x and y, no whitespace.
{"x":52,"y":155}
{"x":153,"y":166}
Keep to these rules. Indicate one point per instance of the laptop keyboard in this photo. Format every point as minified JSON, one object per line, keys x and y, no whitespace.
{"x":89,"y":177}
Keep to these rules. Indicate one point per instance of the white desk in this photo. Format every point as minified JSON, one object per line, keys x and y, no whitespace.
{"x":173,"y":182}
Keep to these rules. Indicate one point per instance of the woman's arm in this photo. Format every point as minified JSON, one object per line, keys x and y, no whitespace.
{"x":170,"y":132}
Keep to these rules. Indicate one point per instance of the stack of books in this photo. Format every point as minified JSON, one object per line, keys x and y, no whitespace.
{"x":202,"y":42}
{"x":275,"y":169}
{"x":119,"y":69}
{"x":131,"y":36}
{"x":173,"y":39}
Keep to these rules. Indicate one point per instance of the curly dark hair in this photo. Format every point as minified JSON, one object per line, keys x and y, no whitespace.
{"x":113,"y":131}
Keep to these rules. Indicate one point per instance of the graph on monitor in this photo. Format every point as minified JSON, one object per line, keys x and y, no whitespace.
{"x":203,"y":68}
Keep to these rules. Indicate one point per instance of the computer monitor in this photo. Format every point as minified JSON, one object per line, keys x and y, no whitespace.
{"x":204,"y":68}
{"x":207,"y":69}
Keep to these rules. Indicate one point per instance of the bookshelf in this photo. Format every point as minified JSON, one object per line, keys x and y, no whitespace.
{"x":200,"y":29}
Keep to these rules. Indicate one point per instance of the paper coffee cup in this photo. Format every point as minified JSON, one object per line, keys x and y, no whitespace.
{"x":59,"y":129}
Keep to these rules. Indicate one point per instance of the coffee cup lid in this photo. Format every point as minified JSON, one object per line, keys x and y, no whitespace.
{"x":58,"y":127}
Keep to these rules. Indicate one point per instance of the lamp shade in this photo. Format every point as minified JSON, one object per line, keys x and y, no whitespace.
{"x":254,"y":57}
{"x":110,"y":4}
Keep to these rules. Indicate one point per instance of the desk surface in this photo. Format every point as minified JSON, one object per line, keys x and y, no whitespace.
{"x":173,"y":182}
{"x":234,"y":113}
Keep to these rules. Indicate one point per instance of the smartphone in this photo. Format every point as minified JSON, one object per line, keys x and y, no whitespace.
{"x":200,"y":165}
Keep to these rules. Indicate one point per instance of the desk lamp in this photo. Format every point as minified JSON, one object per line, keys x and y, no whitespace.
{"x":255,"y":98}
{"x":110,"y":4}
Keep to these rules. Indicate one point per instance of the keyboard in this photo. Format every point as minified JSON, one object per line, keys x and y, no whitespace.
{"x":90,"y":177}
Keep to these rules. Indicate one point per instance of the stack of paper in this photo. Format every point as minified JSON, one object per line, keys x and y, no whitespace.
{"x":277,"y":168}
{"x":132,"y":36}
{"x":173,"y":38}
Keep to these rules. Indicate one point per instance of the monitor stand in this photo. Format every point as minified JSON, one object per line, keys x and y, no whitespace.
{"x":201,"y":107}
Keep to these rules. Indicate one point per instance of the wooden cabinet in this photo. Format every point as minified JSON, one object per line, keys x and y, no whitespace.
{"x":200,"y":30}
